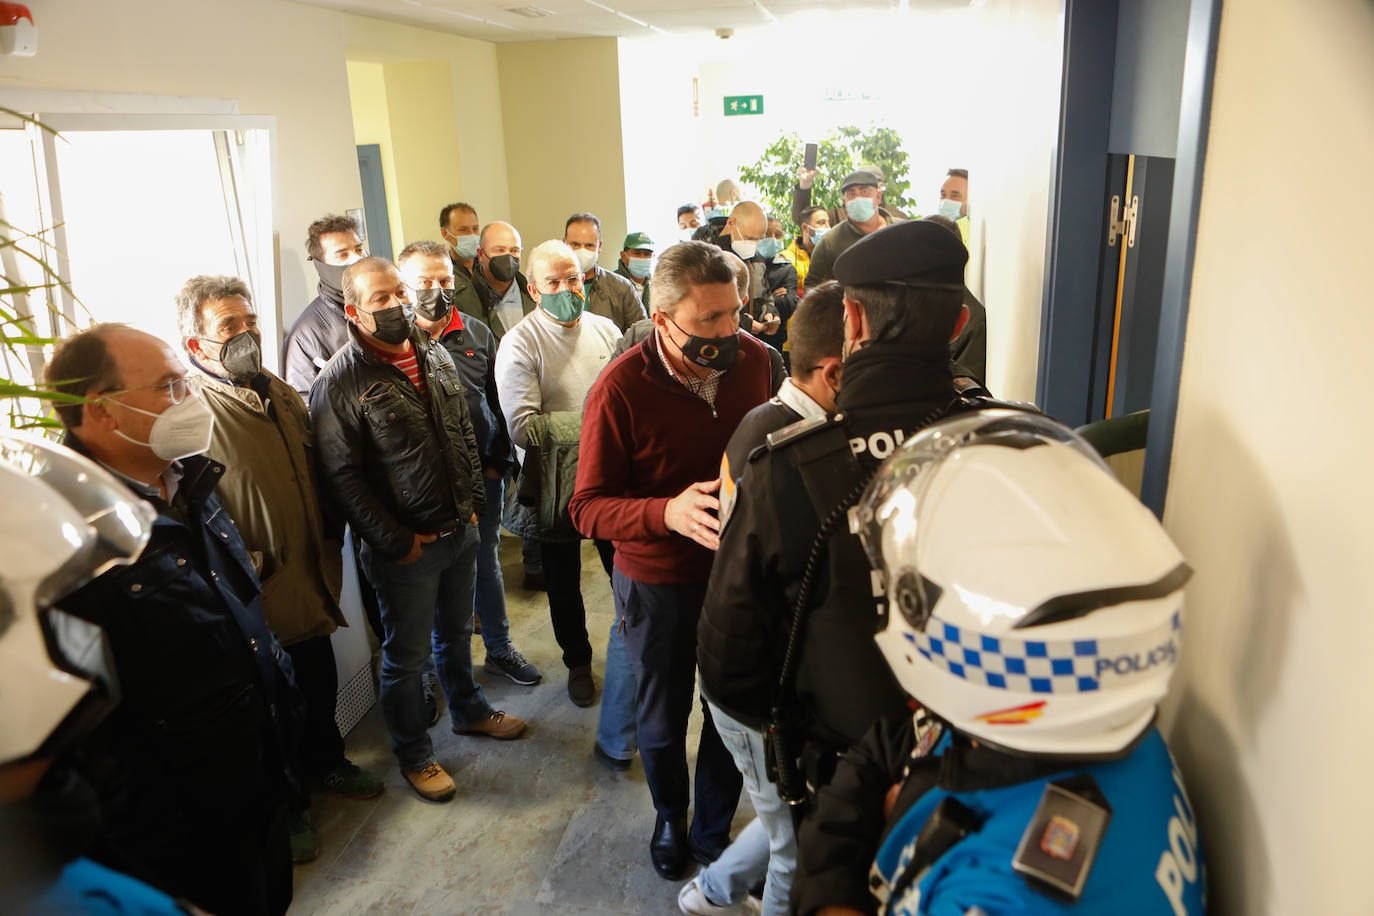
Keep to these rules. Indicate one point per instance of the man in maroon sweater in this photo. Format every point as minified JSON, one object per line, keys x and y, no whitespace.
{"x":654,"y":428}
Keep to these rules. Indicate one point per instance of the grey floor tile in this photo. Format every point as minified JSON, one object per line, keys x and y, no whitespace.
{"x":604,"y":862}
{"x":538,"y":827}
{"x":328,"y":895}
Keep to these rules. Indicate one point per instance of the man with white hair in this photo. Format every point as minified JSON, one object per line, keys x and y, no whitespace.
{"x":544,"y":367}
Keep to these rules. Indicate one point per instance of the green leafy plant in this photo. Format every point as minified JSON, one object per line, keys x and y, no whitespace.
{"x":843,"y":150}
{"x":22,"y":347}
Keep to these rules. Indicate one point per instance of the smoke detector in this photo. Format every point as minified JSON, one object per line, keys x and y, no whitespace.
{"x":724,"y":33}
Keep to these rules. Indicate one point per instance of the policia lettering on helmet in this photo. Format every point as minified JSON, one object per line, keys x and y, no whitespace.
{"x":903,"y":304}
{"x":1031,"y":778}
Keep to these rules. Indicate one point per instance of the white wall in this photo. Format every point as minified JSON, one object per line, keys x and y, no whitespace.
{"x":274,"y":57}
{"x":1269,"y":495}
{"x":977,"y":88}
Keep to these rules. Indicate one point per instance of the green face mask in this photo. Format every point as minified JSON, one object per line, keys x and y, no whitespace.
{"x":565,"y":305}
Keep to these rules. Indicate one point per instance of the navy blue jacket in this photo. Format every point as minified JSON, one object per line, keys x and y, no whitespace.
{"x":209,"y":707}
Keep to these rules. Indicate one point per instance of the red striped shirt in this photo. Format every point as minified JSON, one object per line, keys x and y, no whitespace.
{"x":407,"y":363}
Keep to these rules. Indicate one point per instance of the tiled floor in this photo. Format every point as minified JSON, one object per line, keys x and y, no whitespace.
{"x":538,"y":826}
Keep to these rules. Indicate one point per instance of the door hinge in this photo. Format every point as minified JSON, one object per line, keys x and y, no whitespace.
{"x":1126,"y":224}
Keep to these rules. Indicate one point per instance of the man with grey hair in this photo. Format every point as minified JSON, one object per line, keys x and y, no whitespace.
{"x":262,"y":437}
{"x":544,"y":368}
{"x":431,"y":279}
{"x":399,"y":461}
{"x":656,"y":425}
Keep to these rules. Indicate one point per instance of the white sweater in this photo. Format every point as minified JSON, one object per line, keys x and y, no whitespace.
{"x":543,"y":367}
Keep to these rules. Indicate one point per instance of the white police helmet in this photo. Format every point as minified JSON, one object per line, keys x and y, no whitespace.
{"x":1031,"y":601}
{"x":65,"y":521}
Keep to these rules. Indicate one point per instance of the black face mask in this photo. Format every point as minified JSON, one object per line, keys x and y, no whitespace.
{"x":392,"y":325}
{"x":502,"y":267}
{"x":241,"y":356}
{"x":331,"y":280}
{"x":710,"y":352}
{"x":433,"y":304}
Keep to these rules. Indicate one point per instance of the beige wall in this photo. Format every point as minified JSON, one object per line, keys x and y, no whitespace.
{"x":1270,"y":495}
{"x":277,"y":58}
{"x":372,"y":124}
{"x":560,"y":105}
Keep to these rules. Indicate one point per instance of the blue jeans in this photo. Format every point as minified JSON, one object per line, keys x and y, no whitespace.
{"x":661,"y":639}
{"x":615,"y":729}
{"x":490,"y":601}
{"x":431,"y":597}
{"x":768,"y":846}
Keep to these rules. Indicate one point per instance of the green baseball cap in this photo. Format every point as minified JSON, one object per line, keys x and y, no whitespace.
{"x":638,"y":240}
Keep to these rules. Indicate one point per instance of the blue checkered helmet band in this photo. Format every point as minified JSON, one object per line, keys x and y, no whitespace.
{"x":1044,"y":666}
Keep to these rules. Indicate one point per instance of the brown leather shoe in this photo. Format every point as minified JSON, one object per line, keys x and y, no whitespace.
{"x":497,"y":725}
{"x":432,"y":783}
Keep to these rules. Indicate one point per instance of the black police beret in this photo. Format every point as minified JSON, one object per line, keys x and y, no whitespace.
{"x":916,"y":252}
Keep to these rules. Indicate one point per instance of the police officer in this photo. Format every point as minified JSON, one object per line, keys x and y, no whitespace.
{"x":1032,"y":779}
{"x":903,"y":304}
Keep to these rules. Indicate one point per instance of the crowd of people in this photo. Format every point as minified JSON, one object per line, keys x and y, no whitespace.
{"x":780,"y":448}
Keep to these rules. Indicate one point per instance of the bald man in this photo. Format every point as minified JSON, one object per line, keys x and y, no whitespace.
{"x":498,"y":257}
{"x":189,"y":781}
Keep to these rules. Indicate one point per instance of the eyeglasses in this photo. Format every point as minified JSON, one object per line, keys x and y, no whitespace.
{"x":176,"y":389}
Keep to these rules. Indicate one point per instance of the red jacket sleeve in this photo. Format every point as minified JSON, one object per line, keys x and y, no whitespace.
{"x":600,"y":505}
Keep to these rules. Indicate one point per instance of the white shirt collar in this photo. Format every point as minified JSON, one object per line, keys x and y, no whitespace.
{"x":799,"y":400}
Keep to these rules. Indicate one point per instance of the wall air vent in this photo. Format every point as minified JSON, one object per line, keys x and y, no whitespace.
{"x":531,"y":12}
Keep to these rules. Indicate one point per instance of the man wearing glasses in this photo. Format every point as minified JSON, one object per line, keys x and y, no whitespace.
{"x":270,"y":486}
{"x":191,"y":768}
{"x":399,"y":461}
{"x":429,"y":277}
{"x":544,"y":368}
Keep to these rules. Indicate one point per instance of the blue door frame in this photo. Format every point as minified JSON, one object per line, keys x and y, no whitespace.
{"x":1077,"y":221}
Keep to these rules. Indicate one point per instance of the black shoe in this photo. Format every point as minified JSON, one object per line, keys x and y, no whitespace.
{"x":668,"y":849}
{"x":701,"y":853}
{"x":581,"y":686}
{"x":534,"y":582}
{"x":609,"y":762}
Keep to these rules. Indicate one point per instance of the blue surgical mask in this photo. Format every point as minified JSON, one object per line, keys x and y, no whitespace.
{"x":639,"y":267}
{"x":465,"y":246}
{"x":817,"y":232}
{"x":769,"y":248}
{"x":860,"y":209}
{"x":951,"y":209}
{"x":564,"y":305}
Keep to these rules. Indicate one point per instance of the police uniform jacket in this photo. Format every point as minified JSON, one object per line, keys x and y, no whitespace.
{"x":852,"y":854}
{"x":890,"y":391}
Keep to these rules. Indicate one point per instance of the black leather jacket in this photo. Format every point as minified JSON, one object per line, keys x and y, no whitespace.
{"x":394,"y":463}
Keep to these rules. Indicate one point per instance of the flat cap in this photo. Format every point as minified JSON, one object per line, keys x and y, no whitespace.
{"x":915,"y":252}
{"x":860,"y":177}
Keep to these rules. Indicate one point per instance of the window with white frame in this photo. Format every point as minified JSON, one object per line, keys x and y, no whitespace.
{"x":105,"y":217}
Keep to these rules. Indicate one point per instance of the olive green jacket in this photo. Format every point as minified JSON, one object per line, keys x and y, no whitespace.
{"x":271,"y":491}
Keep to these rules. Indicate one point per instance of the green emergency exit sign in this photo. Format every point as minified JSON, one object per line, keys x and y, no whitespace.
{"x":743,"y":105}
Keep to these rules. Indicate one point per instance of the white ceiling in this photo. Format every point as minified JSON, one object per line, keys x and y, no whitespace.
{"x":492,"y":20}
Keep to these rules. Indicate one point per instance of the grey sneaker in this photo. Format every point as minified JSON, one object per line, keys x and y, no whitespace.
{"x":514,"y":666}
